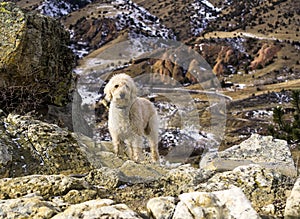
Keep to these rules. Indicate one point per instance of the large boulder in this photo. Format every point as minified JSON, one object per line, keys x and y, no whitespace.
{"x":263,"y":150}
{"x":47,"y":186}
{"x":35,"y":60}
{"x":30,"y":146}
{"x":30,"y":206}
{"x":265,"y":188}
{"x":230,"y":203}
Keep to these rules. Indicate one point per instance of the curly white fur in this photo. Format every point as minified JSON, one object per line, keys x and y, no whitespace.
{"x":130,"y":118}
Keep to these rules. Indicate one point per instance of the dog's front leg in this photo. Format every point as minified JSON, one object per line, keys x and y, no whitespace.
{"x":154,"y":150}
{"x":118,"y":145}
{"x":136,"y":148}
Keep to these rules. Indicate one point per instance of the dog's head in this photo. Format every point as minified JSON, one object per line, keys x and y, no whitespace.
{"x":120,"y":90}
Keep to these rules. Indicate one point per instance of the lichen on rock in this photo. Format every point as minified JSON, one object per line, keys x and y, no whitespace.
{"x":47,"y":186}
{"x":30,"y":206}
{"x":35,"y":60}
{"x":263,"y":187}
{"x":263,"y":150}
{"x":35,"y":147}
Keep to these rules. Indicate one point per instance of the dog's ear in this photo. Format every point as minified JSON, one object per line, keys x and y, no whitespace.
{"x":107,"y":92}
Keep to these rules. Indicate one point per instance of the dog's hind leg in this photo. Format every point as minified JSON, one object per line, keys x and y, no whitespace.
{"x":153,"y":141}
{"x":152,"y":135}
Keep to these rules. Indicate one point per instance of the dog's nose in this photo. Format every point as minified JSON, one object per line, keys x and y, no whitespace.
{"x":122,"y":95}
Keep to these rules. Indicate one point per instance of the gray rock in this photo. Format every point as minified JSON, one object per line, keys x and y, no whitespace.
{"x":100,"y":208}
{"x":109,"y":159}
{"x":136,"y":173}
{"x":263,"y":150}
{"x":161,"y":207}
{"x":105,"y":177}
{"x":292,"y":209}
{"x":6,"y":148}
{"x":98,"y":154}
{"x":263,"y":187}
{"x":230,"y":203}
{"x":184,"y":179}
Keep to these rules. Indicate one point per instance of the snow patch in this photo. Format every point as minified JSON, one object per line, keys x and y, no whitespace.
{"x":55,"y":8}
{"x":204,"y":12}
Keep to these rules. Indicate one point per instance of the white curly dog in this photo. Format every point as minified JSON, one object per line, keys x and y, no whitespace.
{"x":130,"y":118}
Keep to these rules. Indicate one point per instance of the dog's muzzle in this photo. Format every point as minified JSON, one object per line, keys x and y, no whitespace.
{"x":122,"y":96}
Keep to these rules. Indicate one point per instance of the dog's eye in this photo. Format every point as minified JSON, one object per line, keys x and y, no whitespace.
{"x":116,"y":86}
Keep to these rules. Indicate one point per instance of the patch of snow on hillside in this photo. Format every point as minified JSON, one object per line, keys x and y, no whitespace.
{"x":206,"y":2}
{"x":237,"y":43}
{"x":258,"y":114}
{"x":140,"y":20}
{"x":257,"y":36}
{"x":55,"y":8}
{"x":204,"y":12}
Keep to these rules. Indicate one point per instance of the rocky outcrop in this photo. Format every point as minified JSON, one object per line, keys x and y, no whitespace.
{"x":230,"y":203}
{"x":183,"y":65}
{"x":265,"y":188}
{"x":226,"y":56}
{"x":49,"y":172}
{"x":31,"y":206}
{"x":166,"y":70}
{"x":35,"y":60}
{"x":263,"y":150}
{"x":264,"y":56}
{"x":47,"y":186}
{"x":29,"y":146}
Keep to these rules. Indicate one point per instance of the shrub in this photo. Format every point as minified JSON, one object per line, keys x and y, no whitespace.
{"x":287,"y":125}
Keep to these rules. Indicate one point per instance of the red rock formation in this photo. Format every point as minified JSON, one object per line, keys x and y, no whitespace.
{"x":225,"y":56}
{"x":265,"y":55}
{"x":219,"y":68}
